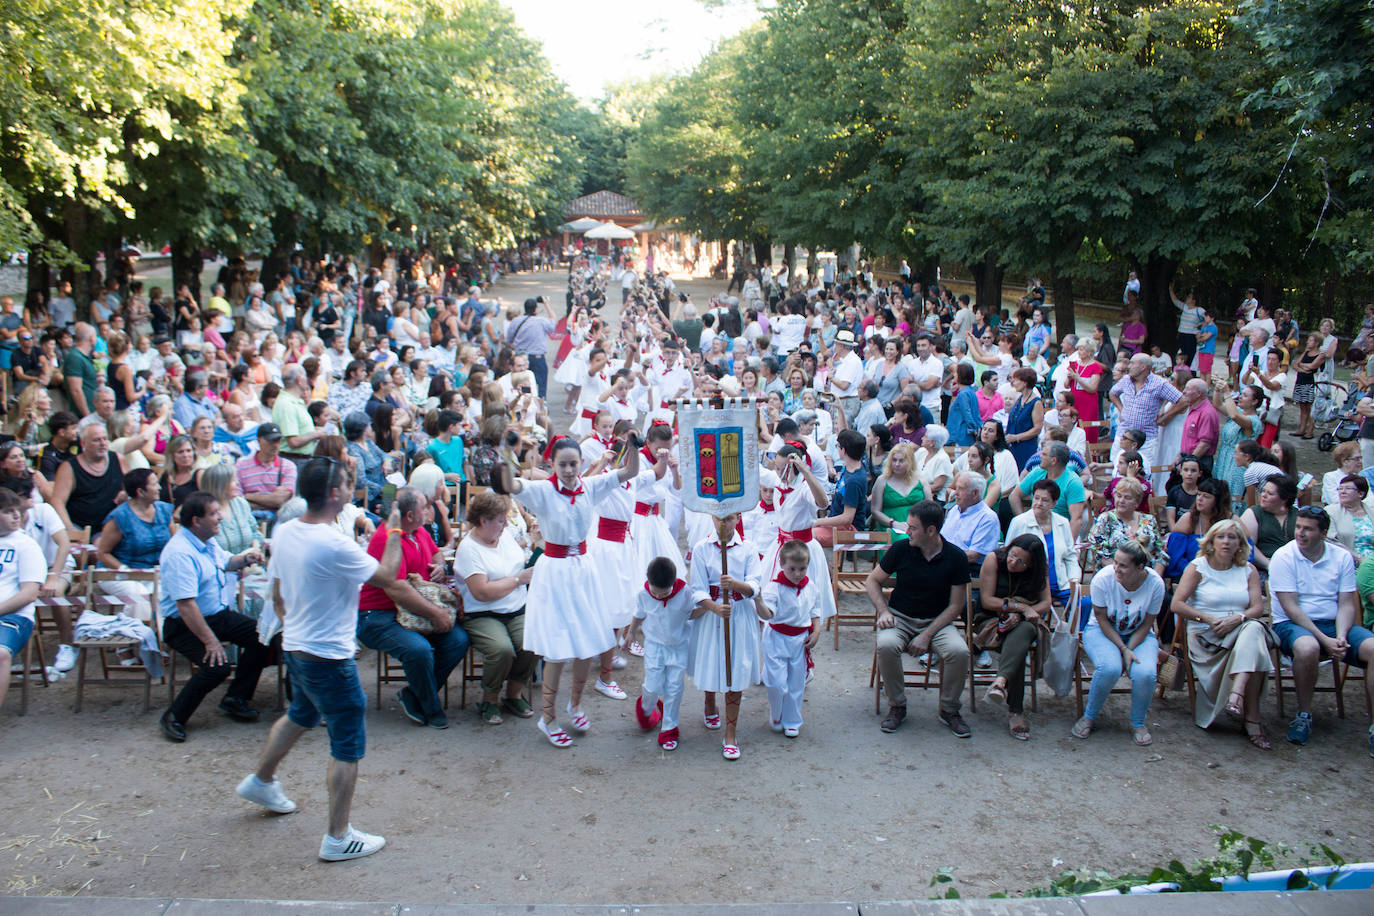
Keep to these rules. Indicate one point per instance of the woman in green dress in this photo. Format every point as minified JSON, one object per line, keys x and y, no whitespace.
{"x":1242,"y":422}
{"x":896,"y":491}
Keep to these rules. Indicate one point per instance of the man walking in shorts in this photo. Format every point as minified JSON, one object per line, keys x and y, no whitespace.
{"x":316,"y":573}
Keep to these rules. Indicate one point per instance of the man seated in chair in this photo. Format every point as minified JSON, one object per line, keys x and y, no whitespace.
{"x":22,"y":573}
{"x":197,"y":624}
{"x":974,"y":528}
{"x":1316,"y":612}
{"x":927,"y":598}
{"x":428,"y":658}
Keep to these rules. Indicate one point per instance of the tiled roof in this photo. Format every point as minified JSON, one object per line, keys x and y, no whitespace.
{"x":603,"y":204}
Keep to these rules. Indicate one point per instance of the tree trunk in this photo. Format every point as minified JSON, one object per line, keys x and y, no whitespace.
{"x":1157,"y":309}
{"x":1061,"y":286}
{"x":789,"y":257}
{"x":187,"y":264}
{"x":987,"y":281}
{"x":762,"y":250}
{"x":278,"y":262}
{"x":38,"y":287}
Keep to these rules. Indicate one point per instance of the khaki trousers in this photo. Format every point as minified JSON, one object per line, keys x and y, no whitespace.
{"x":948,"y":644}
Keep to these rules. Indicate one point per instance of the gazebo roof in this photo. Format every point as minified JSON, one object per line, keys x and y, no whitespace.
{"x":603,"y":205}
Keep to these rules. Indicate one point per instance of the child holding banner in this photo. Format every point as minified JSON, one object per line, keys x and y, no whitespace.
{"x":731,"y":595}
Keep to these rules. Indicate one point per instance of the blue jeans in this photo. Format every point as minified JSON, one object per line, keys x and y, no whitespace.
{"x":1106,"y":658}
{"x":15,"y":630}
{"x":540,"y":367}
{"x":428,"y":659}
{"x":329,"y":688}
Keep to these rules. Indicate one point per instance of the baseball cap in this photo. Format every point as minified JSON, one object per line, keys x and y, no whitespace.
{"x":269,"y":431}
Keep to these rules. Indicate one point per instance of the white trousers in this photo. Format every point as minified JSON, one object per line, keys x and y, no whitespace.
{"x":784,"y":674}
{"x":665,"y":676}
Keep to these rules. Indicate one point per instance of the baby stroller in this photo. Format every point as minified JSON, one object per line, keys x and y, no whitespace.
{"x":1335,"y":404}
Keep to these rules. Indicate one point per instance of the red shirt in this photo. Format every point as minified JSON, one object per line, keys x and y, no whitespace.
{"x":417,"y":551}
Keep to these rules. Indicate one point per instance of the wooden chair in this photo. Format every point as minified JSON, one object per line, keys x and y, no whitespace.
{"x":985,"y":677}
{"x":471,"y":493}
{"x":1083,"y":671}
{"x":472,"y":674}
{"x":389,"y":671}
{"x":1359,"y":675}
{"x":1179,"y":649}
{"x":116,"y":674}
{"x":853,"y":543}
{"x":915,"y":674}
{"x":22,"y":670}
{"x":1284,"y":679}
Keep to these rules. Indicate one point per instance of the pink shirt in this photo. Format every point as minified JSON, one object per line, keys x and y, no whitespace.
{"x":987,"y":406}
{"x":1201,"y":425}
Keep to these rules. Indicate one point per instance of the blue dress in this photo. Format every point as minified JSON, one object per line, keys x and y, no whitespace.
{"x":1020,"y":419}
{"x":140,"y":545}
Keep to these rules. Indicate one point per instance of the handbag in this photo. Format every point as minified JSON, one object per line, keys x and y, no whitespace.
{"x":1061,"y":654}
{"x":436,"y":594}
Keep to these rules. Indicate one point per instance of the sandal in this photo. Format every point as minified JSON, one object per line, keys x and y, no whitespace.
{"x":712,"y":721}
{"x":1257,"y":737}
{"x":636,"y":649}
{"x":1082,"y":728}
{"x":489,"y":714}
{"x":580,"y":722}
{"x":729,"y":751}
{"x":557,"y":737}
{"x":996,"y":695}
{"x":1235,"y":706}
{"x":667,"y":739}
{"x":517,"y":706}
{"x":1141,"y":735}
{"x":1021,"y":732}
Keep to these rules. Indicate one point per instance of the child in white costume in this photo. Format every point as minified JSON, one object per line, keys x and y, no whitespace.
{"x":596,"y":381}
{"x":663,"y":620}
{"x":601,"y":439}
{"x":761,"y":522}
{"x":566,"y":617}
{"x":649,"y":528}
{"x":734,"y":595}
{"x":796,"y":500}
{"x":789,"y":637}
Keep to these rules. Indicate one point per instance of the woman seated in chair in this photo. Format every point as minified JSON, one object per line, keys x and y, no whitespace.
{"x":1228,"y":642}
{"x":895,"y":492}
{"x":1015,"y":592}
{"x":1119,"y":637}
{"x":1054,"y":532}
{"x":1125,"y":523}
{"x":133,"y":538}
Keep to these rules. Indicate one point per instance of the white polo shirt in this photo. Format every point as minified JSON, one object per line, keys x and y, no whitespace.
{"x":1318,"y":585}
{"x":849,"y":369}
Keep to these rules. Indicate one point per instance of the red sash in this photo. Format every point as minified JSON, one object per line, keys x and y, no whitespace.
{"x":734,"y":596}
{"x":612,"y":529}
{"x":648,"y":509}
{"x":563,"y":551}
{"x":786,"y":629}
{"x":803,"y":534}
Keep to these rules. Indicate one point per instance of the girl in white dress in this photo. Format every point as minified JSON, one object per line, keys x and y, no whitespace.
{"x":797,"y":493}
{"x":734,"y":595}
{"x":566,"y":617}
{"x":594,"y":383}
{"x":574,"y":368}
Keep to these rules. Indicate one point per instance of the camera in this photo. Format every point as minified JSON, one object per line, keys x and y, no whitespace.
{"x":512,"y":438}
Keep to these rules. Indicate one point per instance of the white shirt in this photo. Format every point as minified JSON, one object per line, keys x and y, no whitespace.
{"x":43,"y":522}
{"x":320,"y":571}
{"x":790,"y":605}
{"x":962,"y":323}
{"x":21,"y":560}
{"x":787,"y":332}
{"x":1318,"y":585}
{"x":1126,"y":609}
{"x":849,"y":369}
{"x":667,"y":621}
{"x":506,"y":559}
{"x":922,"y":369}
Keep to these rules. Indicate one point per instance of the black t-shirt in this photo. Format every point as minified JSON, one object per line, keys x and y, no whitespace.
{"x":51,"y":457}
{"x":30,"y":362}
{"x":921,"y":587}
{"x":1180,"y":499}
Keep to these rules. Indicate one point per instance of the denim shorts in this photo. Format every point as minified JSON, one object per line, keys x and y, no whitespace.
{"x":1289,"y":632}
{"x":329,"y":688}
{"x":15,"y":630}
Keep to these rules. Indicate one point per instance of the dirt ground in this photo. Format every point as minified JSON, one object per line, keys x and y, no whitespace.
{"x":100,"y":804}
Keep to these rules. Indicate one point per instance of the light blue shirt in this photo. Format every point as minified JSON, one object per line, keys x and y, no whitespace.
{"x":976,"y":529}
{"x":186,"y":409}
{"x":870,"y":414}
{"x":192,"y":568}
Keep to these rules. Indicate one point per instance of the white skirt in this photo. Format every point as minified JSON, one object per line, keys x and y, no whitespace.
{"x":707,"y":665}
{"x":573,"y":369}
{"x":653,"y":539}
{"x":818,"y":571}
{"x":620,"y":574}
{"x":565,"y":617}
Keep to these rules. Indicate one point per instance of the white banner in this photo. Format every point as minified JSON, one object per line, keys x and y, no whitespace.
{"x":718,"y":453}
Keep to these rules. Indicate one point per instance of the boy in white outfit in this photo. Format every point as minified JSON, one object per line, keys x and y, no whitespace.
{"x":789,"y":637}
{"x":663,"y":616}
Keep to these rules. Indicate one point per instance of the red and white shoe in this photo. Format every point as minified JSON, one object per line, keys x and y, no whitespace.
{"x":667,"y":739}
{"x":648,"y":720}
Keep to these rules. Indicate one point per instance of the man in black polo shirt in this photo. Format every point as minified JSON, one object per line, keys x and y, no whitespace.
{"x":929,"y":578}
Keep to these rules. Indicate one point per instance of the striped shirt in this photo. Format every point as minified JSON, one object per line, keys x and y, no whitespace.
{"x":1140,"y":409}
{"x":256,"y":477}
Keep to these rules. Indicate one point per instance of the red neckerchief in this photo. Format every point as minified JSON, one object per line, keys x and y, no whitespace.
{"x":782,"y":493}
{"x":678,"y":586}
{"x":624,"y":402}
{"x":558,"y":488}
{"x":781,"y":579}
{"x":605,"y":442}
{"x":648,"y":455}
{"x":765,"y":507}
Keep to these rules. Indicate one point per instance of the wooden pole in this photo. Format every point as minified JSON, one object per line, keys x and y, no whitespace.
{"x":724,"y":533}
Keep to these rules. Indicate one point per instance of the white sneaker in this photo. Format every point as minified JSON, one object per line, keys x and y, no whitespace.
{"x":267,"y":794}
{"x":66,"y":658}
{"x":984,"y":659}
{"x":354,"y":845}
{"x":611,"y":690}
{"x":618,"y":662}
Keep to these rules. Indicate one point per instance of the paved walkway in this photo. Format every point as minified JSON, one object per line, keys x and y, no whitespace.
{"x":1327,"y":903}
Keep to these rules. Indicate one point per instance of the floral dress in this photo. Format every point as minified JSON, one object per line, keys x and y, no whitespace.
{"x":1224,"y":465}
{"x":1109,"y":532}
